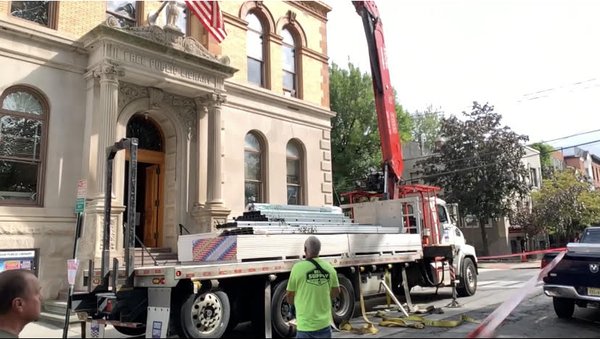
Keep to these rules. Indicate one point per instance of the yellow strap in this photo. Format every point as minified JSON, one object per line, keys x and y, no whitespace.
{"x":390,"y":322}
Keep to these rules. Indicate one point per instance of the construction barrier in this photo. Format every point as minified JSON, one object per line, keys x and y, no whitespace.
{"x":490,"y":324}
{"x":491,"y":257}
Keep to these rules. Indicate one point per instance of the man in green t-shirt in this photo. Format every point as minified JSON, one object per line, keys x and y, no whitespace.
{"x":312,"y":284}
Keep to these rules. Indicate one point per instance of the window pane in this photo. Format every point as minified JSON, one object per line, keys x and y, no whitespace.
{"x":251,"y":143}
{"x":289,"y":81}
{"x":122,"y":8}
{"x":18,"y":180}
{"x":293,"y":172}
{"x":292,"y":151}
{"x":288,"y":38}
{"x":22,"y":102}
{"x":124,"y":11}
{"x":254,"y":45}
{"x":252,"y":166}
{"x":252,"y":192}
{"x":253,"y":23}
{"x":289,"y":59}
{"x":20,"y":137}
{"x":255,"y":74}
{"x":36,"y":11}
{"x":293,"y":195}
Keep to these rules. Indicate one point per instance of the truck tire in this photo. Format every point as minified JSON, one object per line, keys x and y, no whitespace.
{"x":468,"y":279}
{"x":343,"y":305}
{"x":205,"y":315}
{"x":280,"y":312}
{"x":564,"y":308}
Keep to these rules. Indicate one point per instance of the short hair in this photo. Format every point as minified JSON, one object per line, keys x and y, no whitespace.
{"x":13,"y":284}
{"x":312,"y":246}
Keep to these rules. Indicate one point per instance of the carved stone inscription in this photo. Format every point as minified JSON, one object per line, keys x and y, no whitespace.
{"x":161,"y":66}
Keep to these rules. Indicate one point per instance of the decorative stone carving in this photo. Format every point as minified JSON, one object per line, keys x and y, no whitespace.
{"x":184,"y":107}
{"x":108,"y":70}
{"x":156,"y":96}
{"x":111,"y":21}
{"x":172,"y":15}
{"x":129,"y":92}
{"x":214,"y":99}
{"x":172,"y":38}
{"x":291,"y":16}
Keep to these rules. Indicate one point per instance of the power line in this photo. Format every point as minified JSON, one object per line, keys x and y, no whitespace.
{"x":490,"y":164}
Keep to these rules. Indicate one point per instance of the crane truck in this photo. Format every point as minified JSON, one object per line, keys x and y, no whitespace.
{"x":240,"y":273}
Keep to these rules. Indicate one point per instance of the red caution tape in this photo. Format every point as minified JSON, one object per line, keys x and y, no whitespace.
{"x":489,"y":324}
{"x":560,"y":249}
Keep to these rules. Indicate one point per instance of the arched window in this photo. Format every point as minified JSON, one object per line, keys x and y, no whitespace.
{"x":294,"y":173}
{"x":253,"y":169}
{"x":290,"y":82}
{"x":256,"y":51}
{"x":23,"y":126}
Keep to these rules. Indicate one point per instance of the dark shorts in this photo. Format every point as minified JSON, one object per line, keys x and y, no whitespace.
{"x":322,"y":333}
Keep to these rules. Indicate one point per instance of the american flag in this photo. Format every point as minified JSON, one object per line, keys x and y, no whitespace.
{"x":209,"y":13}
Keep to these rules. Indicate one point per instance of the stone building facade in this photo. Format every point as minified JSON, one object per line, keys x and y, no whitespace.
{"x":219,"y":125}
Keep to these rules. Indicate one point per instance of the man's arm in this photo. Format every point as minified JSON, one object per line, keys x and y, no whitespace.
{"x":290,"y":297}
{"x":335,"y":292}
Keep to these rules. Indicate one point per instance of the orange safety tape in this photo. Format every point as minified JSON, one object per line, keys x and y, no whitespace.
{"x":489,"y":324}
{"x":560,"y":249}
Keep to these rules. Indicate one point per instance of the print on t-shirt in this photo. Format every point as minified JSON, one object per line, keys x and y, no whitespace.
{"x":317,"y":278}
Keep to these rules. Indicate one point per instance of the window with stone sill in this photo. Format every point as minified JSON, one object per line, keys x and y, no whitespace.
{"x":40,"y":12}
{"x":128,"y":13}
{"x":23,"y":125}
{"x":255,"y":47}
{"x":290,"y":82}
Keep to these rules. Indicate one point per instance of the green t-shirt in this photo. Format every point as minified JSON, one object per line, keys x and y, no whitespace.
{"x":312,"y":294}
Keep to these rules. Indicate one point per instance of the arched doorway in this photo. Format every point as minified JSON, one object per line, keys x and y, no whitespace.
{"x":150,"y":179}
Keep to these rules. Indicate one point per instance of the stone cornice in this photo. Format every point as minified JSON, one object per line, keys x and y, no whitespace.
{"x":314,"y":54}
{"x":270,"y":98}
{"x":235,"y":21}
{"x":317,"y":8}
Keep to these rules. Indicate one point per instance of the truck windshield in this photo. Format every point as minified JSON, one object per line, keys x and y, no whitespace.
{"x":591,"y":236}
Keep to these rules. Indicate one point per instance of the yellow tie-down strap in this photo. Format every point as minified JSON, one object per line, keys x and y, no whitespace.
{"x":413,"y":321}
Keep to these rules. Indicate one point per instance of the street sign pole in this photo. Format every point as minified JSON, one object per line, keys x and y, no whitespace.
{"x":73,"y":263}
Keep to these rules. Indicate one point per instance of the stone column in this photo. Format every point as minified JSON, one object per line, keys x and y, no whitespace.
{"x":202,"y":160}
{"x":108,"y":110}
{"x":215,"y":211}
{"x":102,"y":110}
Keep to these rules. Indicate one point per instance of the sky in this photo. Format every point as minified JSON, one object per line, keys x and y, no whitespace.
{"x":536,"y":61}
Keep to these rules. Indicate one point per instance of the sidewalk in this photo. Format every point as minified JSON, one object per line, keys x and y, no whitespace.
{"x":533,"y":264}
{"x":42,"y":329}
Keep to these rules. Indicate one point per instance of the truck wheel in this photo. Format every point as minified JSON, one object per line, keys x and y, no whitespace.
{"x":280,"y":312}
{"x":564,"y":308}
{"x":132,"y":331}
{"x":205,"y":315}
{"x":468,"y":279}
{"x":343,"y":305}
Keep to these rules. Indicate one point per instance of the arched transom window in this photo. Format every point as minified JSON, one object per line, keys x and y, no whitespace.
{"x":253,"y":169}
{"x":294,"y":173}
{"x":23,"y":125}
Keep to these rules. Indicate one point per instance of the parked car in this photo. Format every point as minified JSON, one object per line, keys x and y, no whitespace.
{"x":576,"y":278}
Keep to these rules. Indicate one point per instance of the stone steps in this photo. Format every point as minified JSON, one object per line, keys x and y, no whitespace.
{"x":54,"y":311}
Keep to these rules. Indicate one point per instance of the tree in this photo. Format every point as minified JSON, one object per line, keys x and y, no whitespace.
{"x":479,"y":165}
{"x":355,"y":143}
{"x":566,"y":204}
{"x":545,"y":158}
{"x":426,"y":127}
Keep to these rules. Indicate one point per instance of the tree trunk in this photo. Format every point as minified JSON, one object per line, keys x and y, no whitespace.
{"x":484,"y":239}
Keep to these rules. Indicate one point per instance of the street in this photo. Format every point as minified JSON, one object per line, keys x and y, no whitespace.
{"x":533,"y":318}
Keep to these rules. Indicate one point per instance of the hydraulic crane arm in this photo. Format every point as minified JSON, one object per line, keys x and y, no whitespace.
{"x":384,"y":96}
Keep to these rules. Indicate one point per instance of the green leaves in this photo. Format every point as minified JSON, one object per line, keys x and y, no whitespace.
{"x":479,"y":165}
{"x":356,"y":146}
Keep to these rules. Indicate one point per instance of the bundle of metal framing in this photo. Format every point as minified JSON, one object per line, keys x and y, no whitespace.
{"x":284,"y":219}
